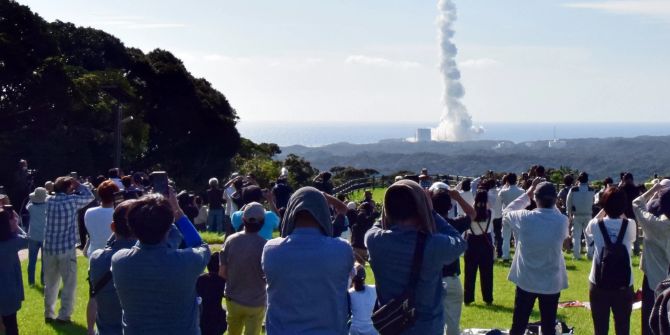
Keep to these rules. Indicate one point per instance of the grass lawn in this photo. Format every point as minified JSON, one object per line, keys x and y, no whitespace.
{"x":477,"y":315}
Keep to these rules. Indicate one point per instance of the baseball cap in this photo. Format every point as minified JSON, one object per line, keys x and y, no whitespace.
{"x":253,"y":213}
{"x":545,"y":190}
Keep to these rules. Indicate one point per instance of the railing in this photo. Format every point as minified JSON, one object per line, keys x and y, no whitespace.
{"x":385,"y":181}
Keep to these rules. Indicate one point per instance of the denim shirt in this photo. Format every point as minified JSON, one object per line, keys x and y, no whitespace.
{"x":391,"y":254}
{"x":108,"y":318}
{"x":307,"y":275}
{"x":156,"y":288}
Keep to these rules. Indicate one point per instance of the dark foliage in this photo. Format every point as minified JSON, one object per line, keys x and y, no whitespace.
{"x":61,"y":85}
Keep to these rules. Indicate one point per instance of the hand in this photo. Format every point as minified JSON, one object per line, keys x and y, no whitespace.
{"x":174,"y":203}
{"x":536,"y":181}
{"x":454,"y":194}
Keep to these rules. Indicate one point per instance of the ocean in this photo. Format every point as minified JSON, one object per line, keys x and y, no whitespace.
{"x":314,"y":134}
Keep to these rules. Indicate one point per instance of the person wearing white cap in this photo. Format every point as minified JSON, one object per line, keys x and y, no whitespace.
{"x":240,"y":265}
{"x":38,"y":216}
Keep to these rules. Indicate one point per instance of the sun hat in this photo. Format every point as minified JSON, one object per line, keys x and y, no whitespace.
{"x":39,"y":195}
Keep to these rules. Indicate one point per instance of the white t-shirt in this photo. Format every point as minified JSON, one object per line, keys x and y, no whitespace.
{"x":362,"y":304}
{"x":613,"y":226}
{"x":468,"y":197}
{"x":97,"y":221}
{"x":230,"y":204}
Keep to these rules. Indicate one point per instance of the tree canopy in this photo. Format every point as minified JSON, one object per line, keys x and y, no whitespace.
{"x":61,"y":85}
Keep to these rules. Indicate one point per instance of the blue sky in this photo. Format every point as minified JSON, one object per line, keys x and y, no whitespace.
{"x":376,"y":60}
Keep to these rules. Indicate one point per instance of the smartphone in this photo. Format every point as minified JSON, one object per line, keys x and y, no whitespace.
{"x":159,"y":182}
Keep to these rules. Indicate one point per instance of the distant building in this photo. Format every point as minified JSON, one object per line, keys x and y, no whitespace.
{"x":503,"y":145}
{"x":557,"y":144}
{"x":423,"y":135}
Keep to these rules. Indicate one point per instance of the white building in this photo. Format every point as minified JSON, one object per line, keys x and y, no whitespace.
{"x":423,"y":135}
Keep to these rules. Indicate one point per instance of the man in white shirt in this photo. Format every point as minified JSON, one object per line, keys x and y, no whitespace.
{"x":509,"y":193}
{"x":579,"y":207}
{"x":538,"y":268}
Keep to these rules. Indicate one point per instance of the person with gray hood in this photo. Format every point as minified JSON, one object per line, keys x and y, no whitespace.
{"x":652,"y":209}
{"x":408,"y":214}
{"x":307,"y":270}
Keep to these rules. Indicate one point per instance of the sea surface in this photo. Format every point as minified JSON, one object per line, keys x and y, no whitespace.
{"x":314,"y":134}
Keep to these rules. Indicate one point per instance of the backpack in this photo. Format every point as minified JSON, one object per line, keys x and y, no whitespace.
{"x":658,"y":321}
{"x":613,"y":271}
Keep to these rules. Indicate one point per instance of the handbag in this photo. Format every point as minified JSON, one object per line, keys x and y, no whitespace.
{"x":398,"y":314}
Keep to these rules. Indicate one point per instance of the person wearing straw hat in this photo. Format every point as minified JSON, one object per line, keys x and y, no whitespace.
{"x":37,"y":209}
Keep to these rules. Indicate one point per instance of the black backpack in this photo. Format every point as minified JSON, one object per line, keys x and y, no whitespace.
{"x":658,"y":321}
{"x":613,"y":271}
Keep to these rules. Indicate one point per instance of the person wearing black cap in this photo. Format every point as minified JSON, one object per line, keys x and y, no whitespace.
{"x":538,"y":267}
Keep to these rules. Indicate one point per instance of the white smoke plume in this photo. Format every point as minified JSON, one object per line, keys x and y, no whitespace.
{"x":455,"y":123}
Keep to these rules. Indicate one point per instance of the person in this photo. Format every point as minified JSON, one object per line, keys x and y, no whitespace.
{"x":210,"y":287}
{"x":156,"y":283}
{"x":233,"y":196}
{"x":579,"y":206}
{"x":12,"y":239}
{"x":538,"y":267}
{"x":367,"y":197}
{"x":568,"y":180}
{"x":406,"y":213}
{"x":200,"y":221}
{"x":322,"y":182}
{"x":509,"y":193}
{"x":282,"y":192}
{"x":38,"y":216}
{"x":363,"y":298}
{"x":602,"y":295}
{"x":424,"y":179}
{"x":496,"y":215}
{"x":307,"y":295}
{"x":270,"y":222}
{"x":465,"y":191}
{"x":240,"y":266}
{"x":363,"y":221}
{"x":215,"y":200}
{"x":480,"y":252}
{"x":130,"y":191}
{"x":59,"y":256}
{"x":104,"y":308}
{"x":98,"y":219}
{"x":442,"y":200}
{"x":632,"y":191}
{"x":49,"y":186}
{"x":114,"y":174}
{"x":655,"y":262}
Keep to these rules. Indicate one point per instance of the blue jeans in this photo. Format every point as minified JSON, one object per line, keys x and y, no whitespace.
{"x":215,"y":220}
{"x":33,"y":249}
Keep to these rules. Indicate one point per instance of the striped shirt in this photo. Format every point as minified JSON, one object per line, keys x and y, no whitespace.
{"x":61,"y":232}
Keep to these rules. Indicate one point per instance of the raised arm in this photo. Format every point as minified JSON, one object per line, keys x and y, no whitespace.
{"x":83,"y":197}
{"x":467,"y":208}
{"x":339,"y":206}
{"x":189,"y":233}
{"x":640,"y":205}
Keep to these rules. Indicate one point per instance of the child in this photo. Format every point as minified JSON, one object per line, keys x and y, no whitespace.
{"x":363,"y":299}
{"x":210,"y":289}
